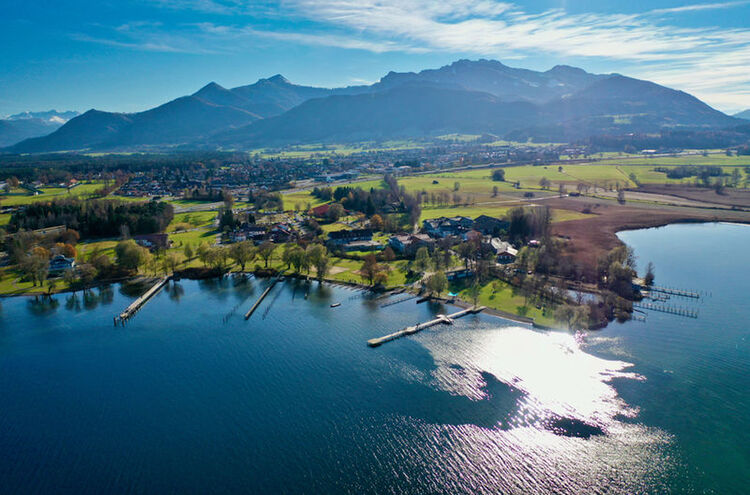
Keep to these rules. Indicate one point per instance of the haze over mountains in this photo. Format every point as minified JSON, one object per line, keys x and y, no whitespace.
{"x":743,"y":115}
{"x":471,"y":97}
{"x":20,"y":126}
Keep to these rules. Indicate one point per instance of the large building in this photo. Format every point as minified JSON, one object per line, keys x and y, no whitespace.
{"x":409,"y":243}
{"x":446,"y":227}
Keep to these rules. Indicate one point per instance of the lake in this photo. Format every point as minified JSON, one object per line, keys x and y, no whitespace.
{"x":189,"y":397}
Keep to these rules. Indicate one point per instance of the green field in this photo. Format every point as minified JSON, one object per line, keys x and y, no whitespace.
{"x":130,"y":199}
{"x":194,"y":218}
{"x":300,"y":200}
{"x":18,"y":196}
{"x":10,"y":283}
{"x":322,"y":150}
{"x":193,"y":237}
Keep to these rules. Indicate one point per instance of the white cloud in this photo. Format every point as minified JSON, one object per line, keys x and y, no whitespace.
{"x":708,"y":61}
{"x":698,"y":7}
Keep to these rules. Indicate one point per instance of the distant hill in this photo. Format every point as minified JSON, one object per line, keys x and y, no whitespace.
{"x":177,"y":122}
{"x":495,"y":78}
{"x":617,"y":104}
{"x":20,"y":126}
{"x":466,"y":96}
{"x":407,"y":110}
{"x":745,"y":115}
{"x":610,"y":105}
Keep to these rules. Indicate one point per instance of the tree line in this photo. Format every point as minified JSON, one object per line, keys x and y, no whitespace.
{"x":100,"y":218}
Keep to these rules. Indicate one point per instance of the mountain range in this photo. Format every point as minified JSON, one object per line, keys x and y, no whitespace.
{"x":20,"y":126}
{"x":743,"y":115}
{"x":469,"y":97}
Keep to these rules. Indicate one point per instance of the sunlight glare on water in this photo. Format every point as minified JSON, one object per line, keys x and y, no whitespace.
{"x":550,"y":368}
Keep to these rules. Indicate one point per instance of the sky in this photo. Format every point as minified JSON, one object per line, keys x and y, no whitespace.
{"x":130,"y":55}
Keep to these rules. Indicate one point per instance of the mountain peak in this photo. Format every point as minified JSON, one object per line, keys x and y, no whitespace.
{"x":278,"y":79}
{"x":566,"y":69}
{"x":482,"y":62}
{"x":210,"y":88}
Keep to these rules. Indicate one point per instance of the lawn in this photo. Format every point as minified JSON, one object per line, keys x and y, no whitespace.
{"x":190,"y":202}
{"x":193,"y":237}
{"x":11,"y":285}
{"x":506,"y":299}
{"x":105,"y":247}
{"x":130,"y":199}
{"x":347,"y":270}
{"x":195,"y":218}
{"x":299,"y":200}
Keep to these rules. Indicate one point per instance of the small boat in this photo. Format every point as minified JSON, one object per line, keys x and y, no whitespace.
{"x":335,"y":305}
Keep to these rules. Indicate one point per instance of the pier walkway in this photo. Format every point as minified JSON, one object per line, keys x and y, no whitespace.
{"x":675,"y":292}
{"x":397,"y":301}
{"x":672,"y":310}
{"x":260,"y":299}
{"x":141,"y":301}
{"x":421,"y":326}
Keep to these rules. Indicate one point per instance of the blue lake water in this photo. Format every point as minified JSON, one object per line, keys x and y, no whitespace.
{"x":188,"y":397}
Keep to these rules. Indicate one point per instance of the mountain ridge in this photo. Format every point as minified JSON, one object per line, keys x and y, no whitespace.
{"x":564,"y":101}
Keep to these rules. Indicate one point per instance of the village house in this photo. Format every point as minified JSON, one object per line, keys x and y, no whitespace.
{"x":362,"y":246}
{"x":504,"y":252}
{"x":281,"y":233}
{"x":458,"y":274}
{"x":153,"y":241}
{"x":342,"y":237}
{"x":445,"y":227}
{"x":248,"y":232}
{"x":408,"y":244}
{"x":488,"y":225}
{"x":59,"y":264}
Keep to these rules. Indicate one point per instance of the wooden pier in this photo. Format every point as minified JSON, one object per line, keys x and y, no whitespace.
{"x":672,"y":310}
{"x":141,"y":301}
{"x":260,"y":299}
{"x":396,"y":301}
{"x":448,"y":320}
{"x":675,"y":292}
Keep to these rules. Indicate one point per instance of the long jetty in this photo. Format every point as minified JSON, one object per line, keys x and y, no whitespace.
{"x":260,"y":299}
{"x":445,"y":319}
{"x":397,"y":301}
{"x":141,"y":301}
{"x":672,"y":310}
{"x":675,"y":292}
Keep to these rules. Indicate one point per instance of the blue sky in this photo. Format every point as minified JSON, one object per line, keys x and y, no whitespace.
{"x":121,"y":55}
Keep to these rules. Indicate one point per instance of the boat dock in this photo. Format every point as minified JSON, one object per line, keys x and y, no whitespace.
{"x":675,"y":292}
{"x":141,"y":301}
{"x":672,"y":310}
{"x":260,"y":299}
{"x":445,"y":319}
